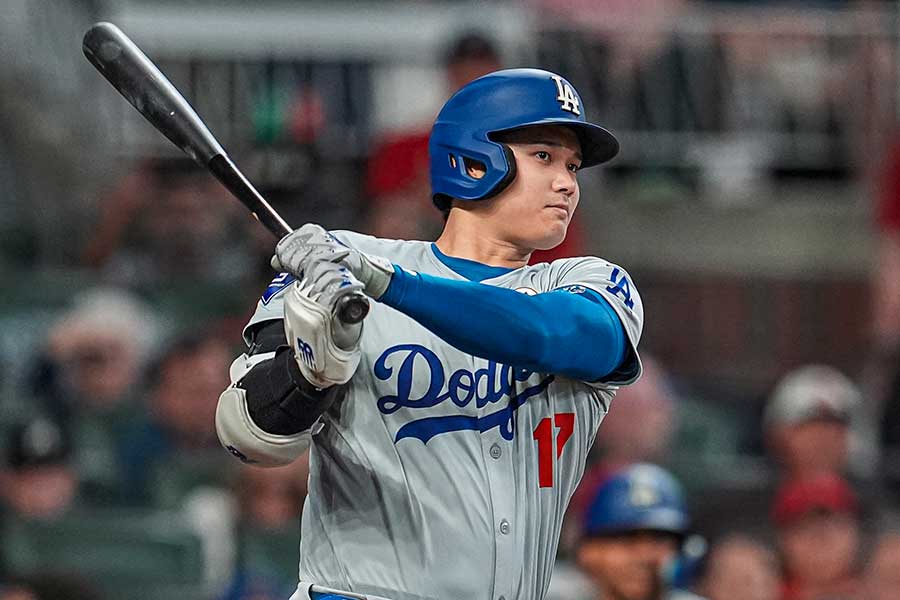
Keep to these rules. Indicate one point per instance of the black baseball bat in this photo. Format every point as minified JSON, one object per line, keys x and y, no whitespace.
{"x":135,"y":76}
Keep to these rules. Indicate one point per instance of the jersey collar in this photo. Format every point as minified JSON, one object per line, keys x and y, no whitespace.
{"x":470,"y":269}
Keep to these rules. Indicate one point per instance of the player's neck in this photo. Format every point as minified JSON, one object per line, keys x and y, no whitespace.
{"x":465,"y":236}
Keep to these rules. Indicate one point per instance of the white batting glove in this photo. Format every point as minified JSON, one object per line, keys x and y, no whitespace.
{"x":313,"y":243}
{"x":326,"y":352}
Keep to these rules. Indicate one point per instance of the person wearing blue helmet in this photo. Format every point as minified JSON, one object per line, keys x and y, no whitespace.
{"x":446,"y":434}
{"x":632,"y":533}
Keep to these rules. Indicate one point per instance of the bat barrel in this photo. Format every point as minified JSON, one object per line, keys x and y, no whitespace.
{"x":144,"y":86}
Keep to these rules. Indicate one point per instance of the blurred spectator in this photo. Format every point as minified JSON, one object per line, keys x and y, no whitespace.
{"x":271,"y":499}
{"x":39,"y":480}
{"x":175,"y":446}
{"x":89,"y":377}
{"x":809,"y":422}
{"x":58,"y":586}
{"x":882,"y":574}
{"x":634,"y":527}
{"x":818,"y":528}
{"x":17,"y":591}
{"x":639,"y":428}
{"x":641,"y":422}
{"x":95,"y":353}
{"x":269,"y":503}
{"x":397,"y":180}
{"x":885,"y":361}
{"x":168,"y":222}
{"x":886,"y":295}
{"x":740,"y":568}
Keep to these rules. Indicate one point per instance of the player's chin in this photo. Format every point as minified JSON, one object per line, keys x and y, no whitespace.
{"x":552,"y":236}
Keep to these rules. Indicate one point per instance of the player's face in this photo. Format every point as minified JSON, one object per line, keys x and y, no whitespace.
{"x":535,"y":210}
{"x":814,"y":447}
{"x":628,"y":567}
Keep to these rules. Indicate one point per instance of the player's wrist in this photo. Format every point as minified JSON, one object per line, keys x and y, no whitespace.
{"x":397,"y":287}
{"x":375,"y":273}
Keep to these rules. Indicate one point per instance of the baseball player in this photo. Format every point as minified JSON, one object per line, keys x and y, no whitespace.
{"x":632,"y":533}
{"x":447,"y":435}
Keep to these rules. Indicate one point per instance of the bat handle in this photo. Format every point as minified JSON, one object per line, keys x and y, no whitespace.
{"x":352,"y":308}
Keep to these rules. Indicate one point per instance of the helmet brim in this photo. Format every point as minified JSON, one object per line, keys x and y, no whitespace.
{"x":598,"y":145}
{"x":662,"y":519}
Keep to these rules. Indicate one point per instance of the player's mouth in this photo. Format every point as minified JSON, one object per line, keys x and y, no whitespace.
{"x":561,"y":206}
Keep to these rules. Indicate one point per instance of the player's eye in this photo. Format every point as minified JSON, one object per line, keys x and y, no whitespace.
{"x":542,"y":155}
{"x":573,"y":167}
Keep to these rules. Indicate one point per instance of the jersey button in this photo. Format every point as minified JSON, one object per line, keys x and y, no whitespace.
{"x":504,"y":526}
{"x":496,"y":451}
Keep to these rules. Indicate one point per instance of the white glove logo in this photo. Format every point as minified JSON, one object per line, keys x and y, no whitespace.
{"x":305,"y":353}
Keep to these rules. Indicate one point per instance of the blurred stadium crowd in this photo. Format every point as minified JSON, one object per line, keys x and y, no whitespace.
{"x":756,"y":202}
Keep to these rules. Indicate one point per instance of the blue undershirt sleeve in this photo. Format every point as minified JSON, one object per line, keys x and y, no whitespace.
{"x":576,"y":335}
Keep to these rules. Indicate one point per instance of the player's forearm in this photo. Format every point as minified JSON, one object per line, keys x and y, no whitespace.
{"x":279,"y":399}
{"x":555,"y":332}
{"x":265,"y":416}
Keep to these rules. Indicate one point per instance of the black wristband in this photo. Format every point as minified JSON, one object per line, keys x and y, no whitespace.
{"x":279,"y":398}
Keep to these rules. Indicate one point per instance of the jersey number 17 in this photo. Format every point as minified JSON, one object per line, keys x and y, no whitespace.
{"x":543,"y":435}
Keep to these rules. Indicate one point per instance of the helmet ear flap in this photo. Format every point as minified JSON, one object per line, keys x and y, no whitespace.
{"x":444,"y":201}
{"x":508,"y":176}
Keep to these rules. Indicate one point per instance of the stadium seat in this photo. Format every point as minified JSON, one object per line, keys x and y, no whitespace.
{"x":129,"y":554}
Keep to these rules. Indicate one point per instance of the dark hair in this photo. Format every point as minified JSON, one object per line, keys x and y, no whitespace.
{"x":186,"y":344}
{"x":470,"y":46}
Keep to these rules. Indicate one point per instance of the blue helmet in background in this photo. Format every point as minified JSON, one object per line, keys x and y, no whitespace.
{"x":504,"y":101}
{"x":639,"y":497}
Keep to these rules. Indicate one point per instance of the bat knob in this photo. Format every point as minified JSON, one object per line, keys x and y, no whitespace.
{"x":353,"y":308}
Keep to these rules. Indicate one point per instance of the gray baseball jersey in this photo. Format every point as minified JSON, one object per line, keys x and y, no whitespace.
{"x":442,"y":475}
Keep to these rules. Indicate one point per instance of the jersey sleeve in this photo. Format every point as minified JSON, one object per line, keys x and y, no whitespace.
{"x":601,"y":279}
{"x":270,"y":306}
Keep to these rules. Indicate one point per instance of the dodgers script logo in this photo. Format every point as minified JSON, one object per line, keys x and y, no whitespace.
{"x":485,"y":386}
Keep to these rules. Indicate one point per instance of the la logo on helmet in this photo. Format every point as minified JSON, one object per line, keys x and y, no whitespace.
{"x":566,"y":95}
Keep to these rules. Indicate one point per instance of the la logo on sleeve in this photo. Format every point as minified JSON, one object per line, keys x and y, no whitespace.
{"x":566,"y":95}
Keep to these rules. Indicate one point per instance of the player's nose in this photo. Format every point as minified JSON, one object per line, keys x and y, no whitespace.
{"x":564,"y":181}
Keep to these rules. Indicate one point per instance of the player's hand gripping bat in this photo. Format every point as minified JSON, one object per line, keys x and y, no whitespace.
{"x":141,"y":83}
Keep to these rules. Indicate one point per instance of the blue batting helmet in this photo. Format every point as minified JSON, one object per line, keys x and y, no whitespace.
{"x":642,"y":496}
{"x":504,"y":101}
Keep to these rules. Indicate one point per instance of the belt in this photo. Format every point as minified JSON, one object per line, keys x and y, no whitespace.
{"x":326,"y":594}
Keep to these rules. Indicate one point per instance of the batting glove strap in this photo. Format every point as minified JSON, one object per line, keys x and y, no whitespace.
{"x":374,"y":272}
{"x":309,"y":329}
